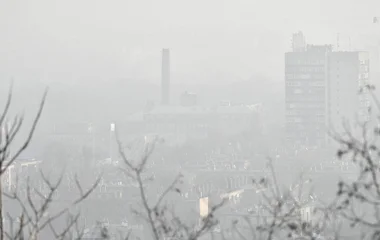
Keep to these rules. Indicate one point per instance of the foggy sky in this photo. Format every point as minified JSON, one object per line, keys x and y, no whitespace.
{"x":210,"y":40}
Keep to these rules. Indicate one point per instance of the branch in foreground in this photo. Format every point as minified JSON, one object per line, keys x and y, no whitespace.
{"x":162,"y":221}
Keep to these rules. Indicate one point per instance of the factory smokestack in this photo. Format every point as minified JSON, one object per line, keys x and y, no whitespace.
{"x":165,"y":77}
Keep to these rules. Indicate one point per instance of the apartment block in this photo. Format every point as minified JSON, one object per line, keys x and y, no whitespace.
{"x":305,"y":95}
{"x":322,"y":92}
{"x":347,"y":98}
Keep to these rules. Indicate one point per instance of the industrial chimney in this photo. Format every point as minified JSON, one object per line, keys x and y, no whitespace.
{"x":165,"y":77}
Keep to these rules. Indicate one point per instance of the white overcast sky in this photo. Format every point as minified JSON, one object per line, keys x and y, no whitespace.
{"x":54,"y":40}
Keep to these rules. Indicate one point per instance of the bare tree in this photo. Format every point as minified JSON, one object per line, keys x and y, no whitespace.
{"x":282,"y":208}
{"x":358,"y":200}
{"x":356,"y":204}
{"x":35,"y":211}
{"x":159,"y":216}
{"x":284,"y":212}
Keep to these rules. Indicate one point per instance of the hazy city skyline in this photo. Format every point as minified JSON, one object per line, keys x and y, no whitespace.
{"x":210,"y":40}
{"x":246,"y":110}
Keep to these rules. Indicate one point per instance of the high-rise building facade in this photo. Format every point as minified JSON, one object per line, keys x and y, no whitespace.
{"x":305,"y":95}
{"x":322,"y":90}
{"x":347,"y":74}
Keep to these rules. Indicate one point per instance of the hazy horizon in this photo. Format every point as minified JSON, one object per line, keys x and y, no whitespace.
{"x":216,"y":41}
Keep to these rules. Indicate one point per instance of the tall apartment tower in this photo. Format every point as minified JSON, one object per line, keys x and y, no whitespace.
{"x":322,"y":90}
{"x":165,"y":77}
{"x":305,"y":95}
{"x":347,"y":73}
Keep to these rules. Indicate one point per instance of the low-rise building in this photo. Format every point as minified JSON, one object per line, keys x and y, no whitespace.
{"x":177,"y":124}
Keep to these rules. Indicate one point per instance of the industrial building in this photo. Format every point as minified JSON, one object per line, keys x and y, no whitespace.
{"x":177,"y":124}
{"x":189,"y":120}
{"x":188,"y":99}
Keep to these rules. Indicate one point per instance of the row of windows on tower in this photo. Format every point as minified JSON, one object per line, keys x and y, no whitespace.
{"x":298,"y":61}
{"x":304,"y":76}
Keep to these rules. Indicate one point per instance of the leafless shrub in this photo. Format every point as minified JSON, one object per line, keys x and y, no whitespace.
{"x":35,"y":212}
{"x":286,"y":213}
{"x":358,"y":201}
{"x":284,"y":209}
{"x":160,"y":217}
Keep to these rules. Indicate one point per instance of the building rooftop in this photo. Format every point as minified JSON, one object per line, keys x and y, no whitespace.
{"x":136,"y":117}
{"x":178,"y":110}
{"x":195,"y":111}
{"x":238,"y":109}
{"x":234,"y":109}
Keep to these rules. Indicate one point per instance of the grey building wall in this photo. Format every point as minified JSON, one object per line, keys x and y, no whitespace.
{"x":322,"y":90}
{"x":305,"y":96}
{"x":348,"y":72}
